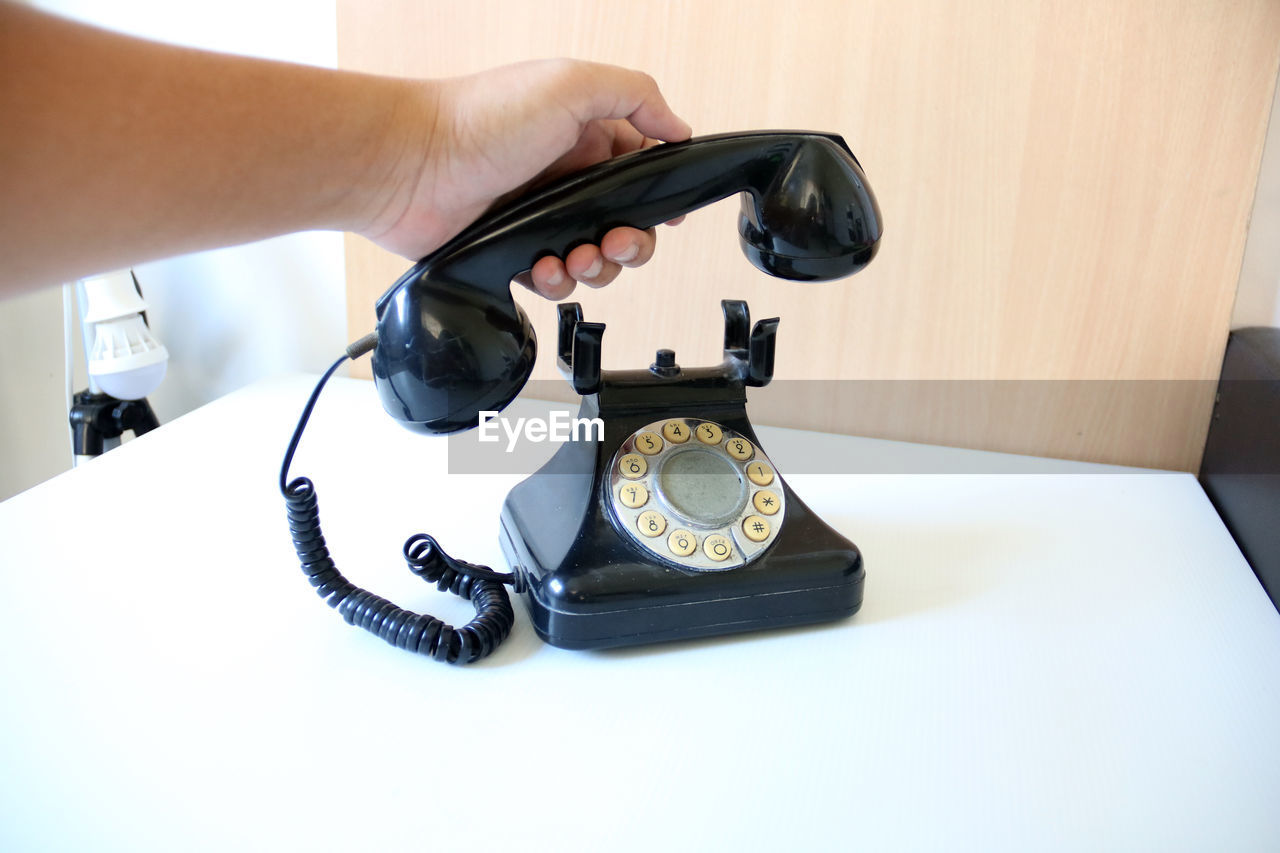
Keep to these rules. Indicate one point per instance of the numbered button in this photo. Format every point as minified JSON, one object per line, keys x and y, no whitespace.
{"x":676,"y":432}
{"x":648,"y":443}
{"x":760,"y":473}
{"x":633,"y":495}
{"x":717,"y":547}
{"x":766,"y":502}
{"x":633,"y":466}
{"x":756,"y":528}
{"x":682,"y":543}
{"x":740,"y":449}
{"x":651,"y":523}
{"x":709,"y":433}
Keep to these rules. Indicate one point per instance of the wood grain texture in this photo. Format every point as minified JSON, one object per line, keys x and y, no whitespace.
{"x":1066,"y":190}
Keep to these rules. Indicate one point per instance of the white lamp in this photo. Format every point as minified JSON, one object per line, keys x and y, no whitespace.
{"x":125,"y":359}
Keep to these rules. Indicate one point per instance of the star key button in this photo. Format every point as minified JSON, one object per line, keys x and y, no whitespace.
{"x":765,"y":502}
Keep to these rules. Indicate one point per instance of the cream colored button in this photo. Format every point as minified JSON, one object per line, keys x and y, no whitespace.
{"x":676,"y":432}
{"x":765,"y":501}
{"x":739,"y":448}
{"x":651,"y":523}
{"x":760,"y":473}
{"x":648,"y":443}
{"x":756,"y":528}
{"x":633,"y":466}
{"x":633,"y":495}
{"x":717,"y":547}
{"x":682,"y":543}
{"x":708,"y":433}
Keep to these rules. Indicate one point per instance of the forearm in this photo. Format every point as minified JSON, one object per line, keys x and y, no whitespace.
{"x":116,"y":150}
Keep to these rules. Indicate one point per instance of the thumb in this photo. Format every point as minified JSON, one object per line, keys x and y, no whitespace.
{"x":601,"y":91}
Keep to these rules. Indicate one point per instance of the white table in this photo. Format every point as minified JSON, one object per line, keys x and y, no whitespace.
{"x":1077,"y":658}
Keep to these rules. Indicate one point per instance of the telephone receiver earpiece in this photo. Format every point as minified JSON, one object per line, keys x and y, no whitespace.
{"x":451,"y":340}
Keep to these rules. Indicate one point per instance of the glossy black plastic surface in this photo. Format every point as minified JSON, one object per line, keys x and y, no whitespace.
{"x":451,"y":341}
{"x":590,"y":587}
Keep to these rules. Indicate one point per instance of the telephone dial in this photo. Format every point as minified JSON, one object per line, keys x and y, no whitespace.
{"x":676,"y":524}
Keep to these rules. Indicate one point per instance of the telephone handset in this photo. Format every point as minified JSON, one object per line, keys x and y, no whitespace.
{"x":676,"y":524}
{"x":451,"y":340}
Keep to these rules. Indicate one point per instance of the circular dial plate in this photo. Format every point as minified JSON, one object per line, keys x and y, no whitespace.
{"x":708,"y":504}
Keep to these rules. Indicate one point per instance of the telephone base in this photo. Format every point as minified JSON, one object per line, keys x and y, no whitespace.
{"x":674,"y":523}
{"x":638,"y":604}
{"x":588,"y":588}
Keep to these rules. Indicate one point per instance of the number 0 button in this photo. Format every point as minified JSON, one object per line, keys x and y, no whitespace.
{"x":633,"y":466}
{"x":651,"y":523}
{"x":717,"y":548}
{"x":682,"y":543}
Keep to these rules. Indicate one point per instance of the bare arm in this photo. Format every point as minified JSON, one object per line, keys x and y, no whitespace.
{"x":117,"y":150}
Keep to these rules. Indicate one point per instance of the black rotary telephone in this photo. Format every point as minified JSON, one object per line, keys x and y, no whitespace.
{"x":675,"y":525}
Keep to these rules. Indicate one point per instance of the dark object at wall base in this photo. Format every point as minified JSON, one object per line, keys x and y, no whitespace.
{"x":1241,"y":467}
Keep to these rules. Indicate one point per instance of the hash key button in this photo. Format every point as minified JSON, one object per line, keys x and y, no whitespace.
{"x":756,"y":528}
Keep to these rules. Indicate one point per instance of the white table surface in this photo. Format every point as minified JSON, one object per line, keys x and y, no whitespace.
{"x":1077,"y":658}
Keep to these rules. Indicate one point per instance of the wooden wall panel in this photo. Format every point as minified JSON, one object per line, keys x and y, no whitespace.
{"x":1066,"y":189}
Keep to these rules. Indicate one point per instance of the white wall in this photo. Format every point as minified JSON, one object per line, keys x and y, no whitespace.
{"x":227,"y":317}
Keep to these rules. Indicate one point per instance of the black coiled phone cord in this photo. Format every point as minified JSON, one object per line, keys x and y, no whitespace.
{"x":402,"y":628}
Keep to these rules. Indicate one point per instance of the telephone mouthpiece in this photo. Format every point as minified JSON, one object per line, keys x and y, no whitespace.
{"x":446,"y":354}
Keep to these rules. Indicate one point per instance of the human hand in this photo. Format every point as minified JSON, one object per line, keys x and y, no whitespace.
{"x":471,"y":142}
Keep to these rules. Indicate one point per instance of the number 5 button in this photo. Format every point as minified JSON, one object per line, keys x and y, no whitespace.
{"x":648,"y":443}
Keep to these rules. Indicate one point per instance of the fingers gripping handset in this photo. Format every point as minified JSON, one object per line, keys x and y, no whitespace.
{"x":676,"y":524}
{"x":451,"y":340}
